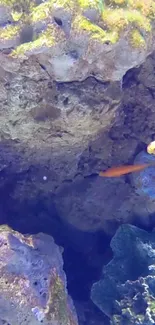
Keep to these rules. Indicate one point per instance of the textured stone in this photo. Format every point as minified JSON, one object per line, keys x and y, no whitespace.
{"x":77,"y":39}
{"x":143,"y":183}
{"x":32,"y":281}
{"x":59,"y":99}
{"x":126,"y":291}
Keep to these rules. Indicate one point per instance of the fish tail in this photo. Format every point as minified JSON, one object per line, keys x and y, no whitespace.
{"x":101,"y":173}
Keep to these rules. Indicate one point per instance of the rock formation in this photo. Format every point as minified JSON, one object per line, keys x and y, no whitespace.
{"x":77,"y":96}
{"x":32,"y":281}
{"x":126,"y":292}
{"x":61,"y":70}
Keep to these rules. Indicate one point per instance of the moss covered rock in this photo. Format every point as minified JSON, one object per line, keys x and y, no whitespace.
{"x":109,"y":37}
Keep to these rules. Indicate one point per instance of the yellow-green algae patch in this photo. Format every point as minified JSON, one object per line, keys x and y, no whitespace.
{"x":136,"y":39}
{"x":146,"y":7}
{"x":118,"y":2}
{"x":86,"y":4}
{"x":46,"y":38}
{"x":135,"y":16}
{"x":57,"y":302}
{"x":95,"y":32}
{"x":16,"y":15}
{"x":9,"y":32}
{"x":66,"y":4}
{"x":24,"y":6}
{"x":120,"y":19}
{"x":41,"y":12}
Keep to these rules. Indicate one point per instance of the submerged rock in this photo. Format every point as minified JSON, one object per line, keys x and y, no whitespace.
{"x":143,"y":183}
{"x":126,"y":293}
{"x":144,"y":180}
{"x":77,"y":39}
{"x":32,"y":281}
{"x":60,"y":95}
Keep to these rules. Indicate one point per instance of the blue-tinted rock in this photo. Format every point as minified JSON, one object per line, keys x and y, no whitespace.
{"x":126,"y":292}
{"x":144,"y":180}
{"x":32,"y":281}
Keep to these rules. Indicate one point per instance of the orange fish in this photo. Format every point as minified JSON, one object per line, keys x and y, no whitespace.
{"x":122,"y":170}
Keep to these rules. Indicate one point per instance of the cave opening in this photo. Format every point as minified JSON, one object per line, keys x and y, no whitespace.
{"x":83,"y":253}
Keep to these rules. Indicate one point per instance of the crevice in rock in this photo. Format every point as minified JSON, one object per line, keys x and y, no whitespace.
{"x":84,"y":253}
{"x":130,"y":77}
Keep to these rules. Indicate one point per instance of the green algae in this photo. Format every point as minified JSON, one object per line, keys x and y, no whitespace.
{"x":136,"y":39}
{"x":16,"y":15}
{"x":24,"y":6}
{"x":96,"y":32}
{"x":46,"y":38}
{"x":66,"y":4}
{"x":139,"y":21}
{"x":119,"y":19}
{"x":116,"y":16}
{"x":8,"y":2}
{"x":44,"y":10}
{"x":89,"y":4}
{"x":41,"y":12}
{"x":57,"y":302}
{"x":147,"y":8}
{"x":9,"y":32}
{"x":129,"y":15}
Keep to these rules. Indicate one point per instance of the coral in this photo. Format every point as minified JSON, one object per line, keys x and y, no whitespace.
{"x":126,"y":292}
{"x":136,"y":303}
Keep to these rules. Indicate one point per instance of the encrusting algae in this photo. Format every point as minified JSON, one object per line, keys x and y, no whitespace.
{"x":46,"y":38}
{"x":132,"y":18}
{"x":9,"y":32}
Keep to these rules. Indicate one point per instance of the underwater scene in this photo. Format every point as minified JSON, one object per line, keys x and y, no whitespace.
{"x":77,"y":162}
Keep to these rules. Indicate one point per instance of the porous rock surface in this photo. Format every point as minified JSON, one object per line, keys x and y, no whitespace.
{"x":126,"y":291}
{"x":76,"y":39}
{"x":32,"y":281}
{"x":143,"y":183}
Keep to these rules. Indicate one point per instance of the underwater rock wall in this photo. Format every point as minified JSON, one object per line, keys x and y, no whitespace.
{"x":77,"y":96}
{"x":61,"y":118}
